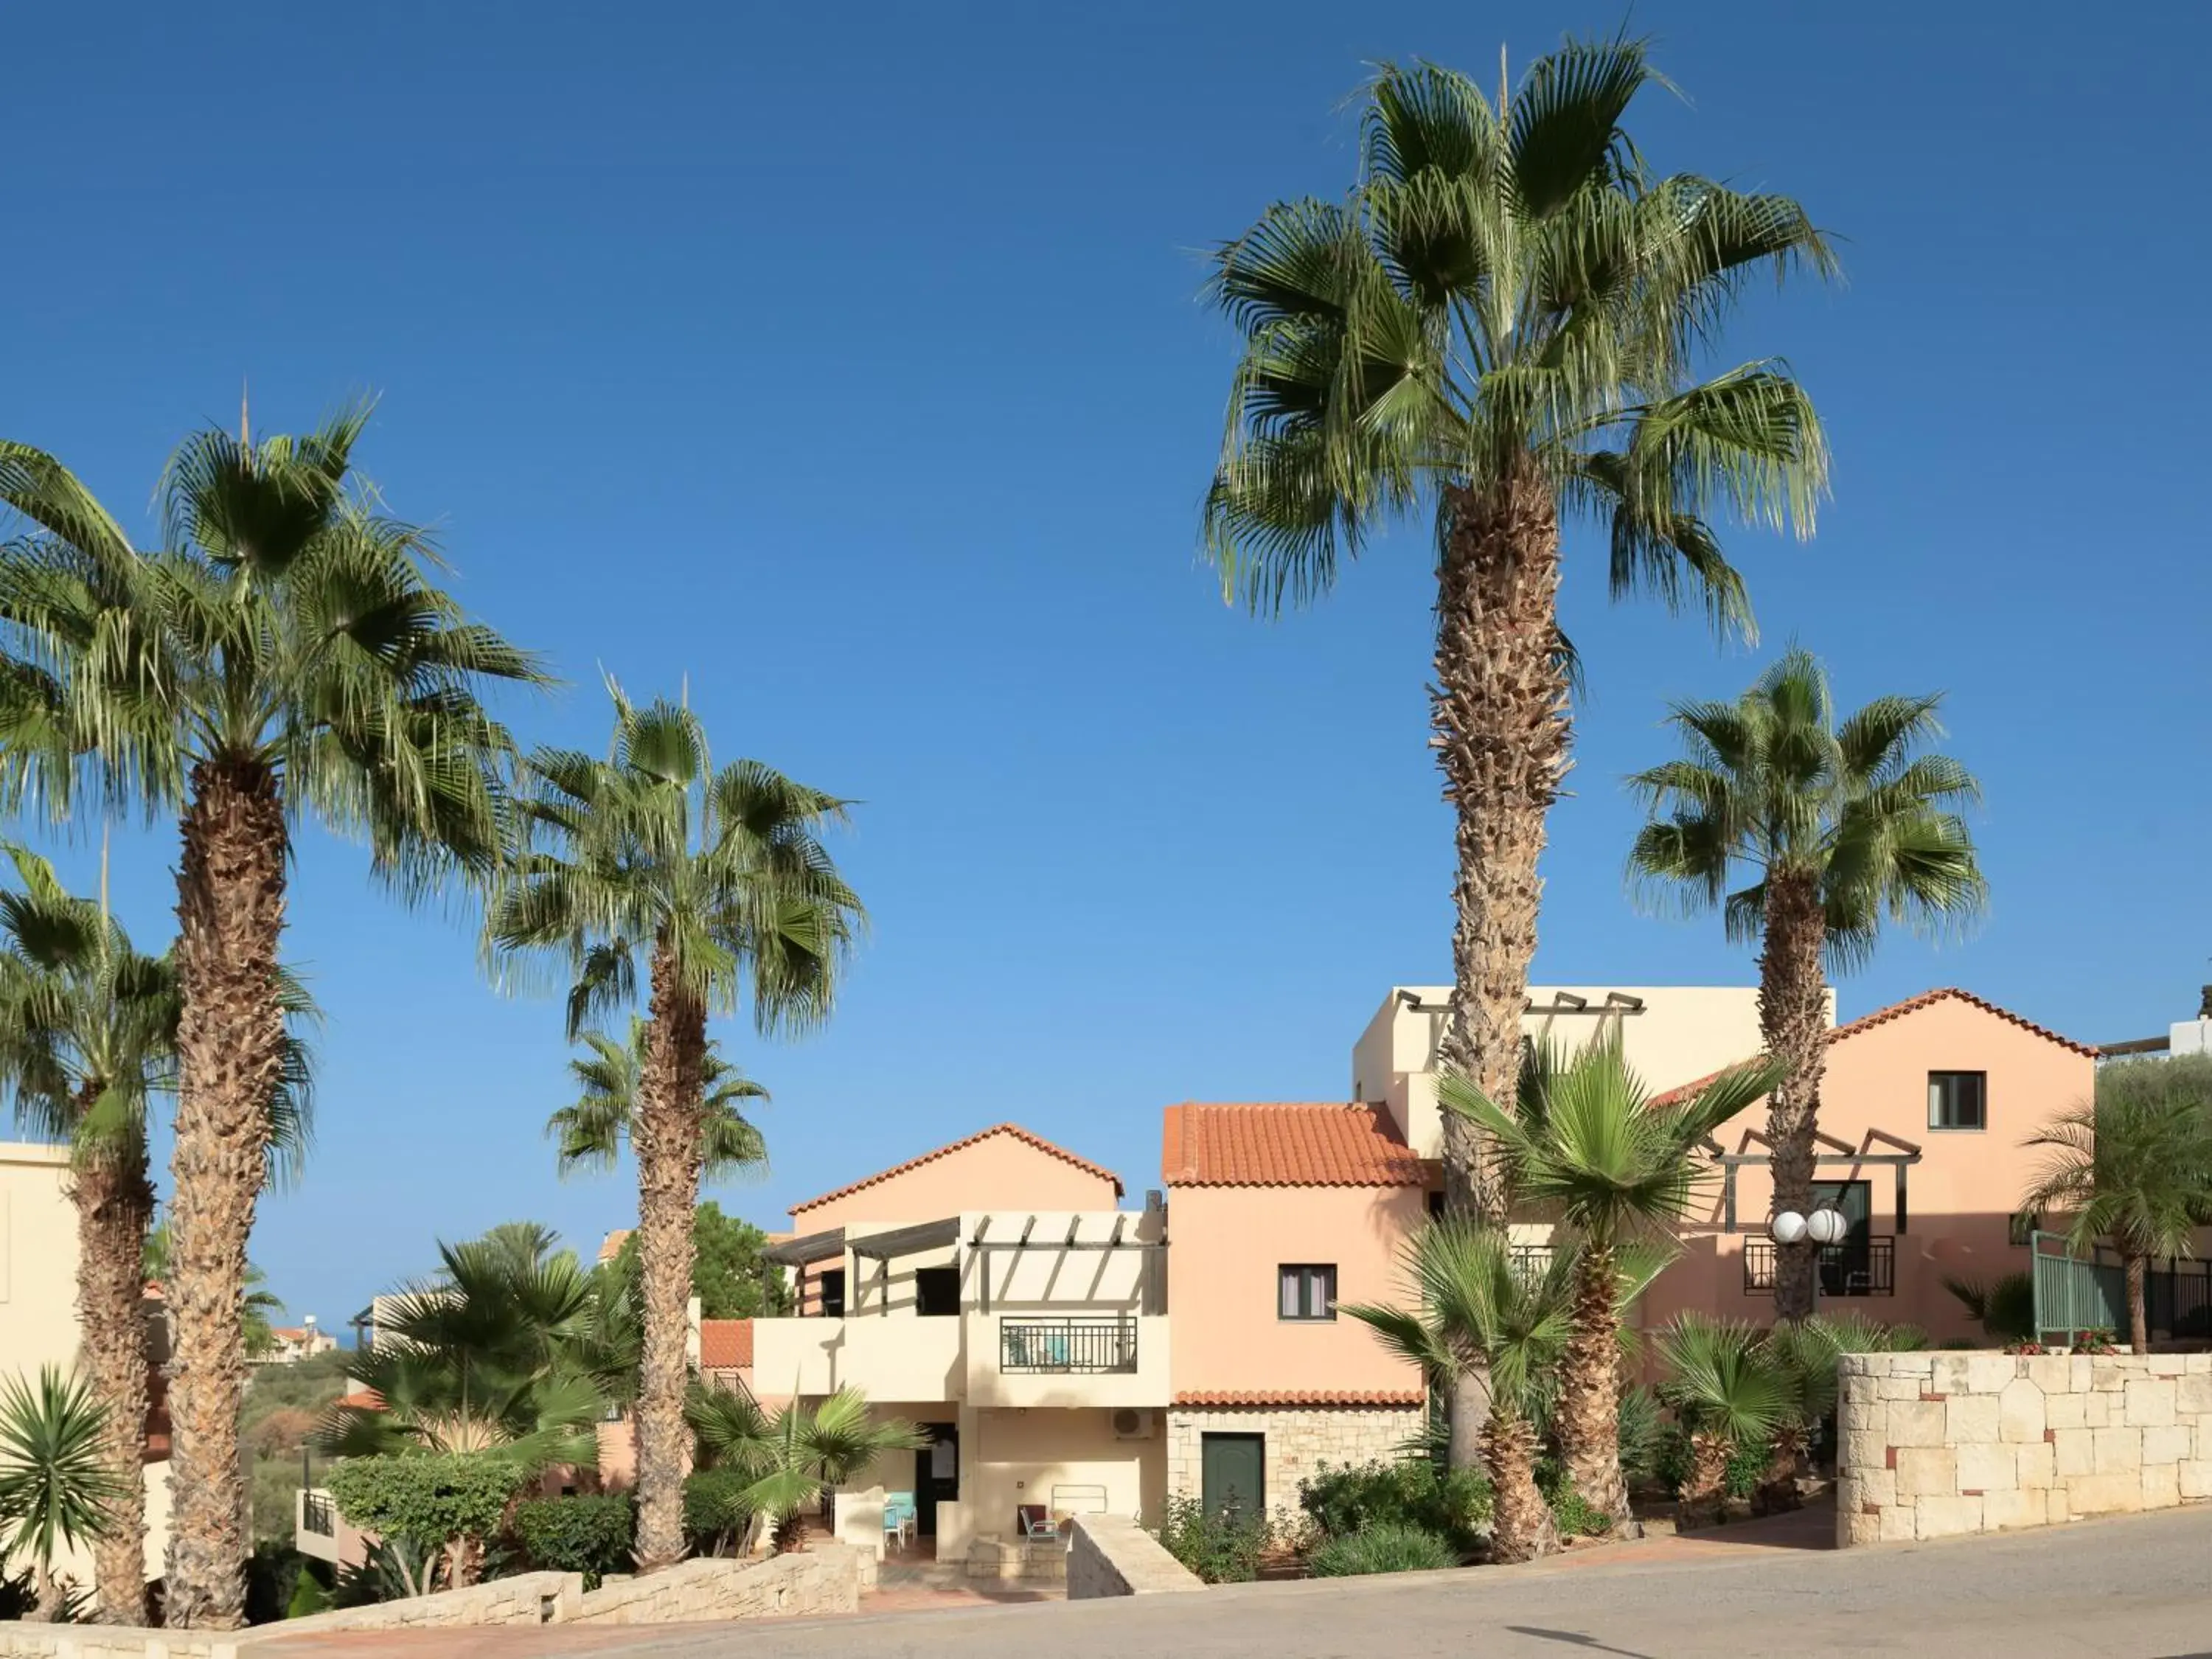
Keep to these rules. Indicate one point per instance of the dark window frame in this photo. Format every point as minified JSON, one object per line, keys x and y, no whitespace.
{"x":829,"y":1292}
{"x":925,"y":1293}
{"x":1311,"y":1275}
{"x":1950,"y":1102}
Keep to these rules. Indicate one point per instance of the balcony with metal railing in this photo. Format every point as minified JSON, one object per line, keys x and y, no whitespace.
{"x":1071,"y":1346}
{"x":1857,"y":1266}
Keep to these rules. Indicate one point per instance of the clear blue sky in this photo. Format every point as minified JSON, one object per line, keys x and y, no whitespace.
{"x":848,"y":360}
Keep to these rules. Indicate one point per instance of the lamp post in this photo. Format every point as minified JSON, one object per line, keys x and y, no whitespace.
{"x":1823,"y":1227}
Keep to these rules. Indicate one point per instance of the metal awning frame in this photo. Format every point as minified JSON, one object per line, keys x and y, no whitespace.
{"x":1908,"y":1154}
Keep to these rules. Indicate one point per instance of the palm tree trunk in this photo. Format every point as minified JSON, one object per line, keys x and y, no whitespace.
{"x":665,"y":1134}
{"x":2138,"y":1271}
{"x":1793,"y":1018}
{"x":1705,"y":1492}
{"x":230,"y":1050}
{"x":114,"y":1206}
{"x":1498,"y":708}
{"x":1588,"y":1419}
{"x":1521,"y":1523}
{"x":1777,"y":1483}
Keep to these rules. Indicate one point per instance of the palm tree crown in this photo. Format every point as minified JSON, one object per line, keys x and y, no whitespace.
{"x":1773,"y":786}
{"x":590,"y":1131}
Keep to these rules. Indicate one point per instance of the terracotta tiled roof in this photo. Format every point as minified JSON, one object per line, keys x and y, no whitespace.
{"x":367,"y":1400}
{"x":725,"y":1345}
{"x":1898,"y":1011}
{"x":611,"y":1246}
{"x":1203,"y":1144}
{"x":1013,"y":1129}
{"x":289,"y":1332}
{"x":1304,"y":1397}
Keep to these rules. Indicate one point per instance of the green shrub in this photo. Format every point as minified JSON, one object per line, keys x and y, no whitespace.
{"x":428,"y":1499}
{"x":273,"y":1573}
{"x":1571,"y":1512}
{"x":1646,"y":1436}
{"x":309,"y":1597}
{"x":1221,"y":1548}
{"x":1454,"y":1505}
{"x":1386,"y":1548}
{"x":1745,"y":1468}
{"x":589,"y":1533}
{"x":715,"y":1509}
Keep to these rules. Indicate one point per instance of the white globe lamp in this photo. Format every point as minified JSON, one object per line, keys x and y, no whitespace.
{"x":1827,"y":1226}
{"x":1787,"y":1228}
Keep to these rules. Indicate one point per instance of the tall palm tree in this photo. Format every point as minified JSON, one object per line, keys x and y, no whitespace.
{"x":591,"y":1130}
{"x":792,"y":1455}
{"x":286,"y":653}
{"x":56,"y":1486}
{"x":1474,"y":1304}
{"x":2134,"y":1170}
{"x":88,"y":1035}
{"x":1617,"y":1169}
{"x":1834,"y":827}
{"x":718,"y":877}
{"x":1504,"y":323}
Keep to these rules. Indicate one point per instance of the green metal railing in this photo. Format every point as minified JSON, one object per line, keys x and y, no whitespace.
{"x":2072,"y":1294}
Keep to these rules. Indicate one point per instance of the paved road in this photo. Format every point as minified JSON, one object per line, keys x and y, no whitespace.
{"x":2139,"y":1587}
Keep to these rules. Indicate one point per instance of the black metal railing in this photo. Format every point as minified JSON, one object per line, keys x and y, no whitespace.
{"x":1530,"y":1262}
{"x":317,"y":1516}
{"x":1862,"y":1267}
{"x":1068,"y":1347}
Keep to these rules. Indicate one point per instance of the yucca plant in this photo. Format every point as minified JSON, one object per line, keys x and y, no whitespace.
{"x":1727,"y":1390}
{"x":1614,"y":1166}
{"x":287,"y":654}
{"x":2003,"y":1307}
{"x":58,"y":1488}
{"x":1832,"y":828}
{"x":790,"y":1456}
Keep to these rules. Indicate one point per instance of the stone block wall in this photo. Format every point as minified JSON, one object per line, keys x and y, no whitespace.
{"x":1935,"y":1444}
{"x":1111,"y":1555}
{"x":826,"y":1579}
{"x":1299,"y":1439}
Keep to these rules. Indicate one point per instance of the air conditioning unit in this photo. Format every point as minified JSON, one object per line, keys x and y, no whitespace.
{"x":1132,"y":1425}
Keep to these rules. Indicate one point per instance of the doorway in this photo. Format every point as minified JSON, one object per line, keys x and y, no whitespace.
{"x":936,"y":1475}
{"x":1233,"y":1473}
{"x":1846,"y":1268}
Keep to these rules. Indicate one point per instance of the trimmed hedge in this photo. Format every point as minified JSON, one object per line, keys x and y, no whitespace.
{"x":588,"y":1533}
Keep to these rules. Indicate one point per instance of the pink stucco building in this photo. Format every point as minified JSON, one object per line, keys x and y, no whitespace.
{"x":1066,"y":1353}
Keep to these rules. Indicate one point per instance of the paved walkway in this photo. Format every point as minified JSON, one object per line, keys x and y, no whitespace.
{"x":2133,"y":1589}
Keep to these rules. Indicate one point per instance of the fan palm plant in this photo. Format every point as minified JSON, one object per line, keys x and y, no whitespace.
{"x":1505,"y":323}
{"x":88,"y":1034}
{"x":1727,"y":1391}
{"x":1473,"y":1303}
{"x":56,"y":1485}
{"x":1836,"y":827}
{"x":719,"y":878}
{"x":591,"y":1130}
{"x":2003,"y":1307}
{"x":495,"y":1354}
{"x":286,"y":653}
{"x":2133,"y":1170}
{"x":1615,"y":1165}
{"x":792,"y":1456}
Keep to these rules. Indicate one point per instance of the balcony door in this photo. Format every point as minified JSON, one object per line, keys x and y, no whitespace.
{"x":1846,"y":1268}
{"x":936,"y":1475}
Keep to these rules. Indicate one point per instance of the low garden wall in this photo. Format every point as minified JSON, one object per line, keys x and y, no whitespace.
{"x":1111,"y":1555}
{"x":1937,"y":1445}
{"x":828,"y":1579}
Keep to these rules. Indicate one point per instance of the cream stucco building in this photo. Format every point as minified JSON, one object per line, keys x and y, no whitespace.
{"x":38,"y":1304}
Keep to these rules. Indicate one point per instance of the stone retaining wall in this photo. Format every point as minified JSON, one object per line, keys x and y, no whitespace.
{"x":1935,"y":1444}
{"x":830,"y":1578}
{"x":1299,"y":1440}
{"x":1109,"y":1555}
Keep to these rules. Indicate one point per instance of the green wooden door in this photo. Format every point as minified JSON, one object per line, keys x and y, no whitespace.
{"x":1233,"y":1473}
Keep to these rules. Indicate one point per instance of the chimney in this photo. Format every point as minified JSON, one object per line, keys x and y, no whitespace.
{"x":2204,"y":1003}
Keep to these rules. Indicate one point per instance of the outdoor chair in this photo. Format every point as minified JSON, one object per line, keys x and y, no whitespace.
{"x":1034,"y":1523}
{"x":900,"y":1517}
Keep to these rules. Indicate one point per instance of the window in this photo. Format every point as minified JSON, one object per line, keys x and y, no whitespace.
{"x":936,"y":1290}
{"x":833,"y":1293}
{"x":1958,"y":1100}
{"x":1306,"y":1293}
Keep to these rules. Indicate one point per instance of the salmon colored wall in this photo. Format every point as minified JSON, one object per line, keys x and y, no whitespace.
{"x":1960,"y":1197}
{"x":1002,"y":1173}
{"x":1227,"y":1243}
